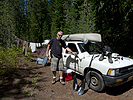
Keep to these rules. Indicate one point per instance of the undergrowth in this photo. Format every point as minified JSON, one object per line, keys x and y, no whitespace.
{"x":10,"y":59}
{"x":130,"y":57}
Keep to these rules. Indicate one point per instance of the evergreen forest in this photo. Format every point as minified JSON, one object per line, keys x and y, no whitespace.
{"x":38,"y":20}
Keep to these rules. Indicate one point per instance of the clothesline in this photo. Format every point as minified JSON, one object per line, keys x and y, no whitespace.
{"x":33,"y":46}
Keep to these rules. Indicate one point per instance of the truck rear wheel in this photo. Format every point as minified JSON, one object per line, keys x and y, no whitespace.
{"x":96,"y":83}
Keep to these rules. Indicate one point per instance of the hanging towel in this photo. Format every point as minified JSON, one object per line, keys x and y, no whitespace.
{"x":33,"y":46}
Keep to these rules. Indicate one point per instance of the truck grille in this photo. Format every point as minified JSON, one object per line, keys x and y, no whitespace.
{"x":126,"y":69}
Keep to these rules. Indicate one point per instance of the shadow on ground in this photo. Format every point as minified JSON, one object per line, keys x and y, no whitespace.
{"x":117,"y":90}
{"x":20,"y":83}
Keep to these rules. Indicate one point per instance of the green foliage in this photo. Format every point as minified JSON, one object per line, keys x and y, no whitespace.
{"x":8,"y":59}
{"x":35,"y":21}
{"x":9,"y":56}
{"x":28,"y":92}
{"x":35,"y":79}
{"x":113,"y":20}
{"x":71,"y":23}
{"x":85,"y":22}
{"x":56,"y":10}
{"x":130,"y":57}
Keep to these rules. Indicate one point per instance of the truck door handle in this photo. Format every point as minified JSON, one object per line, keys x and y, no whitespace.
{"x":64,"y":55}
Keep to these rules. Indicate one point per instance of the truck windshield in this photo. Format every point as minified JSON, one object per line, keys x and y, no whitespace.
{"x":90,"y":48}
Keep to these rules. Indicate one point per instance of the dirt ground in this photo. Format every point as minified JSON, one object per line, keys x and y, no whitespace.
{"x":34,"y":83}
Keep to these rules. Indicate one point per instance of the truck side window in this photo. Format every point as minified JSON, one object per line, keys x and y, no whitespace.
{"x":73,"y":47}
{"x":81,"y":47}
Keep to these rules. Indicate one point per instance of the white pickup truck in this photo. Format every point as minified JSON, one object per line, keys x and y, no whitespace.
{"x":103,"y":73}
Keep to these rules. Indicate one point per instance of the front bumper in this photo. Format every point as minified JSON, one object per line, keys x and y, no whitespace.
{"x":118,"y":80}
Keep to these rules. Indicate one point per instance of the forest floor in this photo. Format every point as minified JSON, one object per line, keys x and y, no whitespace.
{"x":34,"y":83}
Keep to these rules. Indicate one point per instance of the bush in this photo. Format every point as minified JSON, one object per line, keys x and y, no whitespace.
{"x":130,"y":57}
{"x":8,"y":58}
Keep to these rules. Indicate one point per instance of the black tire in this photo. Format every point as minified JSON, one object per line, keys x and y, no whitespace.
{"x":96,"y":83}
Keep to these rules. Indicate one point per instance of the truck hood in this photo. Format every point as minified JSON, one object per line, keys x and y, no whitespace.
{"x":122,"y":62}
{"x":118,"y":61}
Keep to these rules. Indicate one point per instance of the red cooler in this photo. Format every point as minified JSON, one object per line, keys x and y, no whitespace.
{"x":67,"y":74}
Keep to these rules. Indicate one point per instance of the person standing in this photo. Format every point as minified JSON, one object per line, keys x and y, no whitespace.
{"x":56,"y":44}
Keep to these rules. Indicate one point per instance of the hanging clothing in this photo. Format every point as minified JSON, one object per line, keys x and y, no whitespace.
{"x":41,"y":50}
{"x":34,"y":45}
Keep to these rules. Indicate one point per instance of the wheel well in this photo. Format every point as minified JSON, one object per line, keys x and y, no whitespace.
{"x":86,"y":70}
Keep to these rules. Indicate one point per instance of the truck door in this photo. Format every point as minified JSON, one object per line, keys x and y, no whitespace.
{"x":69,"y":58}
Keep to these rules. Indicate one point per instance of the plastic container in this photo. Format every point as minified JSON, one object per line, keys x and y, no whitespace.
{"x":67,"y":74}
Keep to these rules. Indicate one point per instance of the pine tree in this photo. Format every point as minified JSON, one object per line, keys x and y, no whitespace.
{"x":85,"y":22}
{"x":71,"y":17}
{"x":57,"y":16}
{"x":113,"y":20}
{"x":20,"y":19}
{"x":7,"y":21}
{"x":38,"y":20}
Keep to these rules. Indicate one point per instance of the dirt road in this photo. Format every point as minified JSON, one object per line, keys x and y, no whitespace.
{"x":34,"y":83}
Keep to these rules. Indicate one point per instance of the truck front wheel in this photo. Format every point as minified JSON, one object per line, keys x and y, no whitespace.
{"x":95,"y":81}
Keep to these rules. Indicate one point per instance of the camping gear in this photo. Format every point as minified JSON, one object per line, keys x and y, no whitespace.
{"x":67,"y":74}
{"x":44,"y":61}
{"x":39,"y":61}
{"x":89,"y":36}
{"x":75,"y":86}
{"x":82,"y":86}
{"x":40,"y":50}
{"x":106,"y":52}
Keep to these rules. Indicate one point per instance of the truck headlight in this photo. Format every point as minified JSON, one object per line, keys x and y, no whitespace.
{"x":113,"y":72}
